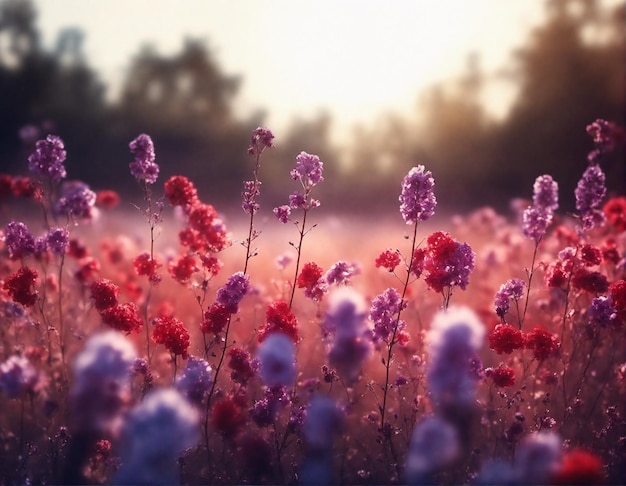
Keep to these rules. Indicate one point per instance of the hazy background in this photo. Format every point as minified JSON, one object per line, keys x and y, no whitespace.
{"x":487,"y":94}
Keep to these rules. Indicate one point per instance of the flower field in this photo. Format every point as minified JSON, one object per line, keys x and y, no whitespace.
{"x":163,"y":344}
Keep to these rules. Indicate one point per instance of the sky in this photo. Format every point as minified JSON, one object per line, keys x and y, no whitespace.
{"x":353,"y":58}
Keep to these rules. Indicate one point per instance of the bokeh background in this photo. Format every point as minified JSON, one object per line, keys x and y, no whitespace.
{"x":487,"y":94}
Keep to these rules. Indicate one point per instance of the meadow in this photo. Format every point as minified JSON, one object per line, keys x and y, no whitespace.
{"x":168,"y":344}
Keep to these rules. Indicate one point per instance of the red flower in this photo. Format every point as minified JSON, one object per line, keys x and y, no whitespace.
{"x":279,"y":318}
{"x":556,"y":275}
{"x":27,"y":188}
{"x":241,"y":366}
{"x":580,"y":467}
{"x":6,"y":181}
{"x":171,"y":332}
{"x":183,"y":268}
{"x":20,"y":285}
{"x":417,"y":266}
{"x":144,"y":265}
{"x":88,"y":269}
{"x":617,"y":290}
{"x":505,"y":339}
{"x":309,"y":275}
{"x":502,"y":376}
{"x":388,"y":259}
{"x":104,"y":292}
{"x":211,"y":264}
{"x":592,"y":282}
{"x":215,"y":319}
{"x":107,"y":199}
{"x":542,"y":343}
{"x":180,"y":191}
{"x":123,"y":317}
{"x":590,"y":255}
{"x":228,"y":418}
{"x":610,"y":253}
{"x":201,"y":217}
{"x":615,"y":212}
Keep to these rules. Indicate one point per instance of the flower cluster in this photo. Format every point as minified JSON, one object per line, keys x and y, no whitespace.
{"x":262,"y":138}
{"x":590,"y":193}
{"x":384,"y":309}
{"x":537,"y":218}
{"x":417,"y":200}
{"x":311,"y":279}
{"x":505,"y":339}
{"x":172,"y":333}
{"x":17,"y":376}
{"x":512,"y":289}
{"x":48,"y":158}
{"x":308,"y":171}
{"x":19,"y":241}
{"x":607,"y":136}
{"x":20,"y":286}
{"x":279,"y":319}
{"x":144,"y":167}
{"x":77,"y":200}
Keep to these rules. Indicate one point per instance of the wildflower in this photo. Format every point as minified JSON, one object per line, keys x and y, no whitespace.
{"x":107,"y":199}
{"x":87,"y":270}
{"x":382,"y":313}
{"x":308,"y":170}
{"x":590,"y":255}
{"x":592,"y":282}
{"x":147,"y":266}
{"x":19,"y":240}
{"x":211,"y":264}
{"x":241,"y":365}
{"x":77,"y":200}
{"x":434,"y":444}
{"x":340,"y":273}
{"x":180,"y":191}
{"x":155,"y":435}
{"x":535,"y":222}
{"x":455,"y":337}
{"x":590,"y":192}
{"x":27,"y":188}
{"x":171,"y":332}
{"x":143,"y":168}
{"x":57,"y":240}
{"x":227,"y":418}
{"x":122,"y":317}
{"x":17,"y":376}
{"x":215,"y":319}
{"x":388,"y":259}
{"x":505,"y":339}
{"x":615,"y":213}
{"x":581,"y":467}
{"x":502,"y":376}
{"x":512,"y":289}
{"x":195,"y":380}
{"x":417,"y":200}
{"x":283,"y":213}
{"x":251,"y":189}
{"x":537,"y":458}
{"x":323,"y":423}
{"x":542,"y":343}
{"x":277,"y":359}
{"x":101,"y":386}
{"x":546,"y":193}
{"x":262,"y":138}
{"x":310,"y":279}
{"x":20,"y":285}
{"x":104,"y":292}
{"x":264,"y":411}
{"x":48,"y":158}
{"x":606,"y":136}
{"x":447,"y":262}
{"x":617,"y":291}
{"x":279,"y":319}
{"x":183,"y":268}
{"x":233,"y":291}
{"x":77,"y":249}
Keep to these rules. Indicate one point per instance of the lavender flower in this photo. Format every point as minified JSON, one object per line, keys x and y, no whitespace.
{"x":323,"y":423}
{"x":455,"y":337}
{"x":606,"y":136}
{"x":265,"y":410}
{"x":537,"y":458}
{"x":156,"y":433}
{"x":195,"y":380}
{"x":297,"y":201}
{"x":262,"y":138}
{"x":511,"y":289}
{"x":57,"y":240}
{"x":77,"y":200}
{"x":434,"y":445}
{"x":233,"y":291}
{"x":417,"y":198}
{"x":144,"y":167}
{"x":535,"y":222}
{"x":17,"y":376}
{"x":48,"y":158}
{"x":19,"y":240}
{"x":251,"y":189}
{"x":590,"y":192}
{"x":308,"y":170}
{"x":341,"y":272}
{"x":382,"y":313}
{"x":602,"y":312}
{"x":546,"y":193}
{"x":277,"y":356}
{"x":282,"y":213}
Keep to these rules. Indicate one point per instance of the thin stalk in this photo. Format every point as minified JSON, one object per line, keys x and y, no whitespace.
{"x":530,"y":280}
{"x":299,"y":248}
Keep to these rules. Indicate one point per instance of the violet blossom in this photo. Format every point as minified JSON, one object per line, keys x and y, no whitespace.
{"x":262,"y":138}
{"x":195,"y":380}
{"x":77,"y":200}
{"x":417,"y":198}
{"x":57,"y":240}
{"x":17,"y":376}
{"x":383,"y":313}
{"x":341,"y":272}
{"x":602,"y":312}
{"x":512,"y":289}
{"x":19,"y":241}
{"x":308,"y":170}
{"x":233,"y":291}
{"x":277,"y":358}
{"x":48,"y":158}
{"x":283,"y":213}
{"x":590,"y":193}
{"x":144,"y":168}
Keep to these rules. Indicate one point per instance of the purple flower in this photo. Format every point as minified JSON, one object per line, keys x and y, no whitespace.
{"x":17,"y":376}
{"x":144,"y":167}
{"x":606,"y":136}
{"x":535,"y":222}
{"x":537,"y":458}
{"x":417,"y":200}
{"x":265,"y":410}
{"x":261,"y":139}
{"x":602,"y":312}
{"x":385,"y":307}
{"x":308,"y":170}
{"x":77,"y":200}
{"x":195,"y":380}
{"x":546,"y":193}
{"x":19,"y":240}
{"x":283,"y":213}
{"x":341,"y":273}
{"x":57,"y":240}
{"x":233,"y":291}
{"x":48,"y":158}
{"x":250,"y":192}
{"x":590,"y":192}
{"x":277,"y":357}
{"x":512,"y":289}
{"x":297,"y":201}
{"x":323,"y":423}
